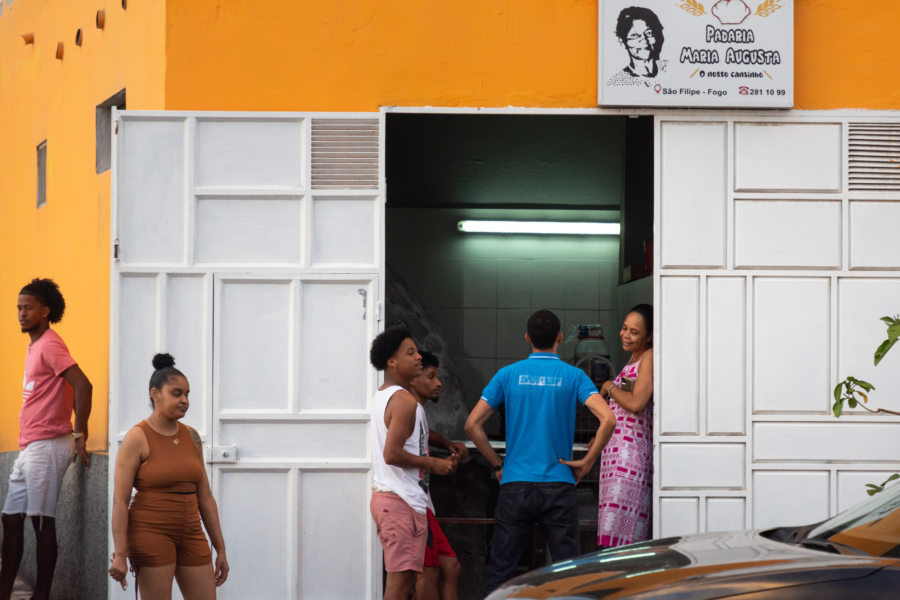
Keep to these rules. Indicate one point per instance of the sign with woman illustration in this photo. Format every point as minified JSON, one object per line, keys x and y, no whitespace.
{"x":728,"y":53}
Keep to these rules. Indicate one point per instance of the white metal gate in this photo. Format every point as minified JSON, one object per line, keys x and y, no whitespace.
{"x":774,"y":266}
{"x":250,"y":246}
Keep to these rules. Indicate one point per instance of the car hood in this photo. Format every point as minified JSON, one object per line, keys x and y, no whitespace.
{"x":703,"y":566}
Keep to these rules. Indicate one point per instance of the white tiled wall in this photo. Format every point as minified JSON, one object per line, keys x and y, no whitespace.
{"x":481,"y":289}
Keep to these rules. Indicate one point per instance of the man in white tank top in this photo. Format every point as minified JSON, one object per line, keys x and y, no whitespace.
{"x":400,"y":462}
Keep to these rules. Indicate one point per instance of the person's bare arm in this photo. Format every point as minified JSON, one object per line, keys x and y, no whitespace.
{"x":209,"y":514}
{"x":475,"y":430}
{"x":604,"y":414}
{"x":458,"y":449}
{"x":128,"y":460}
{"x":83,"y":391}
{"x":635,"y":400}
{"x":400,"y":418}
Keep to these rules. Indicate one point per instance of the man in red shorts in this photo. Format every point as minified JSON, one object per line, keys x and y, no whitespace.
{"x":398,"y":434}
{"x":440,"y":578}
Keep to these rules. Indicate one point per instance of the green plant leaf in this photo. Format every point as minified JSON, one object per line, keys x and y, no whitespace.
{"x":873,"y":486}
{"x":865,"y":385}
{"x":872,"y":492}
{"x":891,"y":478}
{"x":888,"y":320}
{"x":838,"y":408}
{"x":893,"y":331}
{"x":883,"y":349}
{"x":837,"y":391}
{"x":852,"y":402}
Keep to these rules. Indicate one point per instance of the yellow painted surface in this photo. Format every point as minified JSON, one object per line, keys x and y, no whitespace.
{"x":68,"y":239}
{"x":331,"y":55}
{"x":362,"y":54}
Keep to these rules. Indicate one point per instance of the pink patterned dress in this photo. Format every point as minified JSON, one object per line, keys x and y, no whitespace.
{"x":626,"y":474}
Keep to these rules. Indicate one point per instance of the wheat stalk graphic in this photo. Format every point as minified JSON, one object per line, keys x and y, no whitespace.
{"x":693,"y":7}
{"x":767,"y":8}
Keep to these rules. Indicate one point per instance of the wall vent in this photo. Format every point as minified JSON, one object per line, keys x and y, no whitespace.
{"x":874,"y":157}
{"x":344,"y":154}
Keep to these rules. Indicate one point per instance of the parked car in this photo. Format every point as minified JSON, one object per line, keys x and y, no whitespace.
{"x":855,"y":554}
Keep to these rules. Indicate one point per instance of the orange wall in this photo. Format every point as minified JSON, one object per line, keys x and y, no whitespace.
{"x":68,"y":239}
{"x":335,"y":55}
{"x":361,"y":54}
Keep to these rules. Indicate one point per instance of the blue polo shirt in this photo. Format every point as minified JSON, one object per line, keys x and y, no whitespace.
{"x":540,"y":394}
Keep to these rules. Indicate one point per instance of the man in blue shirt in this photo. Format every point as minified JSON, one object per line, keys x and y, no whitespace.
{"x":537,"y":480}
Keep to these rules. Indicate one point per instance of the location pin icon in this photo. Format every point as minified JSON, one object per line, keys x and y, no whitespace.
{"x":656,"y":88}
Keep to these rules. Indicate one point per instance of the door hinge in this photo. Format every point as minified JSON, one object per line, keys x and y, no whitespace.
{"x":378,"y":312}
{"x":116,"y":249}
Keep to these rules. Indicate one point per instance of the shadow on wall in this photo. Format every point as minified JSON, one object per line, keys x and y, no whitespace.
{"x":403,"y":308}
{"x":82,"y":522}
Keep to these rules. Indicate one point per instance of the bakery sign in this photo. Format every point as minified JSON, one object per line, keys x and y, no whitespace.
{"x":718,"y":53}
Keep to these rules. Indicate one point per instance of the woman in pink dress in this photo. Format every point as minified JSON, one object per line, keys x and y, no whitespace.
{"x":626,"y":463}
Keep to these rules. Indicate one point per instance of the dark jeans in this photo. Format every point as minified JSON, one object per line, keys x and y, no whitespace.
{"x":520,"y":505}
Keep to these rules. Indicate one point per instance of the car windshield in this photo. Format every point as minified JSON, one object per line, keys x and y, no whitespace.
{"x":872,"y":526}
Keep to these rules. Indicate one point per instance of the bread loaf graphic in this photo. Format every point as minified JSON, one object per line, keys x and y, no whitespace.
{"x":730,"y":12}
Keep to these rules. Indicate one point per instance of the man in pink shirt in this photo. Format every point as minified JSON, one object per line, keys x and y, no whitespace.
{"x":53,"y":386}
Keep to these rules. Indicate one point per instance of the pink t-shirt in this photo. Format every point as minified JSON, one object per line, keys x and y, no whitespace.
{"x":46,"y":397}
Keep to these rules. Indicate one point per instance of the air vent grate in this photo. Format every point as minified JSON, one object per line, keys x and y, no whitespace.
{"x":345,"y":154}
{"x":874,"y":157}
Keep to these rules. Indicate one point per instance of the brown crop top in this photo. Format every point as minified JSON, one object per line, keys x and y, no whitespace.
{"x":173,"y":465}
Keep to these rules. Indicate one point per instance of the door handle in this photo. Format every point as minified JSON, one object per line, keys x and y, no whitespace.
{"x":223,"y":454}
{"x":365,"y":295}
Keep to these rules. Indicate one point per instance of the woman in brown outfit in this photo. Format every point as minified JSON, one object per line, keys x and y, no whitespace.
{"x":161,"y":532}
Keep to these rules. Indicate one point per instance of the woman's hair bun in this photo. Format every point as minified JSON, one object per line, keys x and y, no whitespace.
{"x":163,"y":360}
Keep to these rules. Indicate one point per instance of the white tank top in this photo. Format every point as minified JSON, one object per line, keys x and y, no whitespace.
{"x":411,"y":483}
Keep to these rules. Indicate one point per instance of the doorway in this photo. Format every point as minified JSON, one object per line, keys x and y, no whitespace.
{"x":466,"y":297}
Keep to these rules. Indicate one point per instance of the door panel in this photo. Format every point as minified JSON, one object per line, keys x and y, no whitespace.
{"x":263,"y":566}
{"x":755,"y":251}
{"x":150,"y":191}
{"x":267,"y":294}
{"x":248,"y":230}
{"x":328,"y":503}
{"x":333,"y":350}
{"x":254,"y":341}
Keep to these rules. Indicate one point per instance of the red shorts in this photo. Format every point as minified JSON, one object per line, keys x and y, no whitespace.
{"x":437,"y":544}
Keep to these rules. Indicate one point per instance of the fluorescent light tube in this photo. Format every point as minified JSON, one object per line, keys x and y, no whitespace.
{"x":540,"y":227}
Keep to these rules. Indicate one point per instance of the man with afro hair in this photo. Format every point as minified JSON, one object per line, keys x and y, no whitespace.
{"x":398,"y":434}
{"x":47,"y":441}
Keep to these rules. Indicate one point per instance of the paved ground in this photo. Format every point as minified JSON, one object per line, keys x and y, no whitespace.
{"x":21,"y":591}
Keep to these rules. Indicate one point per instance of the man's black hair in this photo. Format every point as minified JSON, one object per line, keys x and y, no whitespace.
{"x":164,"y":369}
{"x":385,"y":345}
{"x":429,"y":359}
{"x":543,"y":327}
{"x":47,"y":293}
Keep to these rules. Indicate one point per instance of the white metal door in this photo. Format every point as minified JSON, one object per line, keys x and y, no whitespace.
{"x":772,"y":274}
{"x":250,"y":246}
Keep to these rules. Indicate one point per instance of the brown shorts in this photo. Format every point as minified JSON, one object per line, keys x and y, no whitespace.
{"x":164,"y":528}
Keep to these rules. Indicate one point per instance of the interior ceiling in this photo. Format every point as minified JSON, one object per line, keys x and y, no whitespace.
{"x":505,"y":161}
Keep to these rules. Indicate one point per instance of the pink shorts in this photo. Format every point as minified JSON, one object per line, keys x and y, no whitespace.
{"x":438,"y":545}
{"x":402,"y":532}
